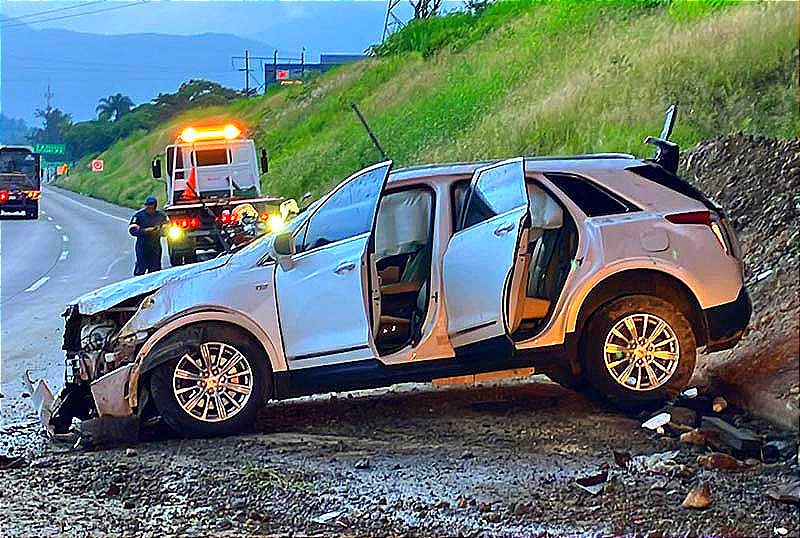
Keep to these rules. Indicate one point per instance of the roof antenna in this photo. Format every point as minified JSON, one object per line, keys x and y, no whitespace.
{"x":369,"y":131}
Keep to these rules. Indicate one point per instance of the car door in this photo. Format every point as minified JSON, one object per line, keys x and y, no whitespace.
{"x":481,"y":253}
{"x":322,"y":299}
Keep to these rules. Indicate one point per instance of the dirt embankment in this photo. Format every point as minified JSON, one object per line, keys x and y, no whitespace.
{"x":757,"y":180}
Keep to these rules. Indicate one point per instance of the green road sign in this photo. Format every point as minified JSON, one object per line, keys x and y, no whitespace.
{"x":50,"y":149}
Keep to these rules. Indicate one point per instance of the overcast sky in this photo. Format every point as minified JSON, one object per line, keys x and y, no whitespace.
{"x":359,"y":20}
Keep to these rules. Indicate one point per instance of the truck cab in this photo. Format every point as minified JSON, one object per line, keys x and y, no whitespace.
{"x":212,"y":183}
{"x":20,"y":182}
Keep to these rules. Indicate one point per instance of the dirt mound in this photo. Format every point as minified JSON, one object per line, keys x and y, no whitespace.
{"x":757,"y":181}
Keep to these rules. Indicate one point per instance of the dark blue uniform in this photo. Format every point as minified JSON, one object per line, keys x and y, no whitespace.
{"x":148,"y":244}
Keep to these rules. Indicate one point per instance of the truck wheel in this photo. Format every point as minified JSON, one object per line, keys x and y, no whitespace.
{"x":638,"y":350}
{"x":213,"y":383}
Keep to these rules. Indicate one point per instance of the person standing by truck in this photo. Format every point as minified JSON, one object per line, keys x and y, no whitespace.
{"x":147,"y":226}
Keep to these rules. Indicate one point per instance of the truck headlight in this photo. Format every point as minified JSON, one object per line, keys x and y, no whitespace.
{"x":175,"y":232}
{"x":275,"y":223}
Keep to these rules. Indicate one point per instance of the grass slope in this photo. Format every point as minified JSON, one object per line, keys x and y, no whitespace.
{"x":523,"y":78}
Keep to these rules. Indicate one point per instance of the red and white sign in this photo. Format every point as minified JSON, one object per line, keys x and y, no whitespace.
{"x":282,"y":75}
{"x":97,"y":165}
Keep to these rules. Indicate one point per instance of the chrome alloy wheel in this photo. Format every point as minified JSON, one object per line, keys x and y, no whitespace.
{"x":215,"y":386}
{"x":641,"y":352}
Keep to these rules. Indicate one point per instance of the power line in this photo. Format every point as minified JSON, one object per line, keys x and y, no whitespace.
{"x":72,"y":15}
{"x":36,"y":14}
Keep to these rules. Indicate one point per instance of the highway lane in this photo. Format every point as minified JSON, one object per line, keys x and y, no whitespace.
{"x":77,"y":245}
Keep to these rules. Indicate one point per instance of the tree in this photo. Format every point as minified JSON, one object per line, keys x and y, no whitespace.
{"x":114,"y":107}
{"x":54,"y":123}
{"x":425,"y":9}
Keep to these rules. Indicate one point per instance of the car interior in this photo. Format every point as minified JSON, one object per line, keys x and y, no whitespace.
{"x":544,"y":257}
{"x":403,"y":248}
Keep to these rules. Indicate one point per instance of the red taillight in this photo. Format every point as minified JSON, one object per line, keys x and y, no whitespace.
{"x":692,"y":217}
{"x":194,"y":223}
{"x":264,"y":216}
{"x":3,"y":196}
{"x":228,"y":218}
{"x":704,"y":218}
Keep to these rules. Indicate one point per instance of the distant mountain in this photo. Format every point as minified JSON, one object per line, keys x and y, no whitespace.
{"x":13,"y":131}
{"x":83,"y":67}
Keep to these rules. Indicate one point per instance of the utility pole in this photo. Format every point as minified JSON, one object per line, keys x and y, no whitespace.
{"x":392,"y":22}
{"x":247,"y":69}
{"x":247,"y":72}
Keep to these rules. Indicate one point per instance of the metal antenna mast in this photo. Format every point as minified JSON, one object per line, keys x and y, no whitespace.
{"x":392,"y":22}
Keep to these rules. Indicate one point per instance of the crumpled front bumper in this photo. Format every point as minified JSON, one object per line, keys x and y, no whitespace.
{"x":106,"y":396}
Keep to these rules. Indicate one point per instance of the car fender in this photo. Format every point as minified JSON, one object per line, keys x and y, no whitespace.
{"x":595,"y":278}
{"x":145,"y":362}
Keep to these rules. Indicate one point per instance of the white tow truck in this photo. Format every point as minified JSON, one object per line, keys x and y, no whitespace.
{"x":214,"y":196}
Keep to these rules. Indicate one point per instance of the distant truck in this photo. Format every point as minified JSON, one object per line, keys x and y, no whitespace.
{"x":212,"y":182}
{"x":20,"y":180}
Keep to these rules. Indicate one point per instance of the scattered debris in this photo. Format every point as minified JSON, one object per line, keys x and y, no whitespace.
{"x":647,"y":463}
{"x":11,"y":462}
{"x":695,"y":437}
{"x":690,"y":393}
{"x":699,"y":497}
{"x":719,"y":461}
{"x":785,"y":493}
{"x":719,"y":404}
{"x":362,"y":464}
{"x":682,"y":417}
{"x":779,"y":450}
{"x":622,"y":458}
{"x":130,"y":452}
{"x":658,"y":421}
{"x":492,"y":517}
{"x":593,"y":484}
{"x":484,"y":507}
{"x":738,"y":439}
{"x":328,"y":518}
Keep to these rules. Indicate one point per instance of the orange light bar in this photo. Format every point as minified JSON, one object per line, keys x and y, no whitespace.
{"x":228,"y":132}
{"x":33,"y":195}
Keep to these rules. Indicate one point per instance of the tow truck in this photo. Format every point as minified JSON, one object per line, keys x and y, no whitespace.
{"x":20,"y":180}
{"x":214,"y":193}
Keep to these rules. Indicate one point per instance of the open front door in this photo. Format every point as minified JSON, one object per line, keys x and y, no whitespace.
{"x":480,"y":257}
{"x":323,"y":298}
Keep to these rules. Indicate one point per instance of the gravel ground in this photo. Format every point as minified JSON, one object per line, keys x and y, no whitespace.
{"x":415,"y":460}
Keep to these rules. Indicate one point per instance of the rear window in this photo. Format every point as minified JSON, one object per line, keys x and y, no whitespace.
{"x":211,"y":157}
{"x":593,"y":200}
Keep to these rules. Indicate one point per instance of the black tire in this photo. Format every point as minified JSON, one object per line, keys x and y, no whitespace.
{"x":188,"y":340}
{"x":592,"y":351}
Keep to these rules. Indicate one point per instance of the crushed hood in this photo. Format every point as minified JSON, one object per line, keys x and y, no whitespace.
{"x":113,"y":294}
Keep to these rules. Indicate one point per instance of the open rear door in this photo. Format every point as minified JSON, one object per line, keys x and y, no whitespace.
{"x":480,"y":256}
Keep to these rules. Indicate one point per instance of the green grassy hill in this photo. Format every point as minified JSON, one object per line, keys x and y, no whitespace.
{"x":528,"y":78}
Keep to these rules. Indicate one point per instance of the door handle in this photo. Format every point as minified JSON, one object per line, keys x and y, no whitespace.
{"x":503,"y":229}
{"x":345,"y":267}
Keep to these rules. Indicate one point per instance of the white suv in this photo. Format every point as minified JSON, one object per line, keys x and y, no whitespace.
{"x":601,"y":270}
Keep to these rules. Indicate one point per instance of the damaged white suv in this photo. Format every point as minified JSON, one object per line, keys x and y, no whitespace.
{"x":603,"y":271}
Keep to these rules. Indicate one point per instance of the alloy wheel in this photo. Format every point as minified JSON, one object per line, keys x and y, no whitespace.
{"x":641,"y":352}
{"x":214,"y":386}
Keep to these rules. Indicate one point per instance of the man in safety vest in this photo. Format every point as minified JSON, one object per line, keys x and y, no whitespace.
{"x":147,"y":226}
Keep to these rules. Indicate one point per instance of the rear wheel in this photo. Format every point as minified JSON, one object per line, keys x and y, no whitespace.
{"x":638,"y":350}
{"x":214,"y":382}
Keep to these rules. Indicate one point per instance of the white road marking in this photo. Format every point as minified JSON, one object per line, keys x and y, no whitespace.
{"x":65,"y":238}
{"x":95,"y":210}
{"x":38,"y":284}
{"x":50,"y":218}
{"x":111,"y":266}
{"x":58,"y":226}
{"x":64,"y":254}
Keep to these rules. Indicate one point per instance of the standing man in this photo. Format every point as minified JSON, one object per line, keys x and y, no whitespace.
{"x":147,"y":226}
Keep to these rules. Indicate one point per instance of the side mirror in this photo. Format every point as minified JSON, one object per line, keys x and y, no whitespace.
{"x":306,"y":200}
{"x":264,"y":161}
{"x":156,"y":168}
{"x":283,"y":248}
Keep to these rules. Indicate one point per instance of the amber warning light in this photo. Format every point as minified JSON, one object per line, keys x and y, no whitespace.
{"x":192,"y":134}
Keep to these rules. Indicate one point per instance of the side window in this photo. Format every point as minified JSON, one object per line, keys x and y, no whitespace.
{"x":593,"y":200}
{"x":348,"y":212}
{"x":497,"y":190}
{"x":458,"y":194}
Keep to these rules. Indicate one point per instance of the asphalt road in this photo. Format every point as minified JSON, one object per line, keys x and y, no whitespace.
{"x":77,"y":245}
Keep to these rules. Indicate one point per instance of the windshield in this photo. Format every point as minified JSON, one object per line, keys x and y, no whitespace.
{"x":18,"y":169}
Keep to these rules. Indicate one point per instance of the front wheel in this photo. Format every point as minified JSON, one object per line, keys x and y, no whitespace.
{"x":213,"y":383}
{"x":637,"y":350}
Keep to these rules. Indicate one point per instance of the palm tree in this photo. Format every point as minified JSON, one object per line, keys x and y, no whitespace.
{"x":114,"y":106}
